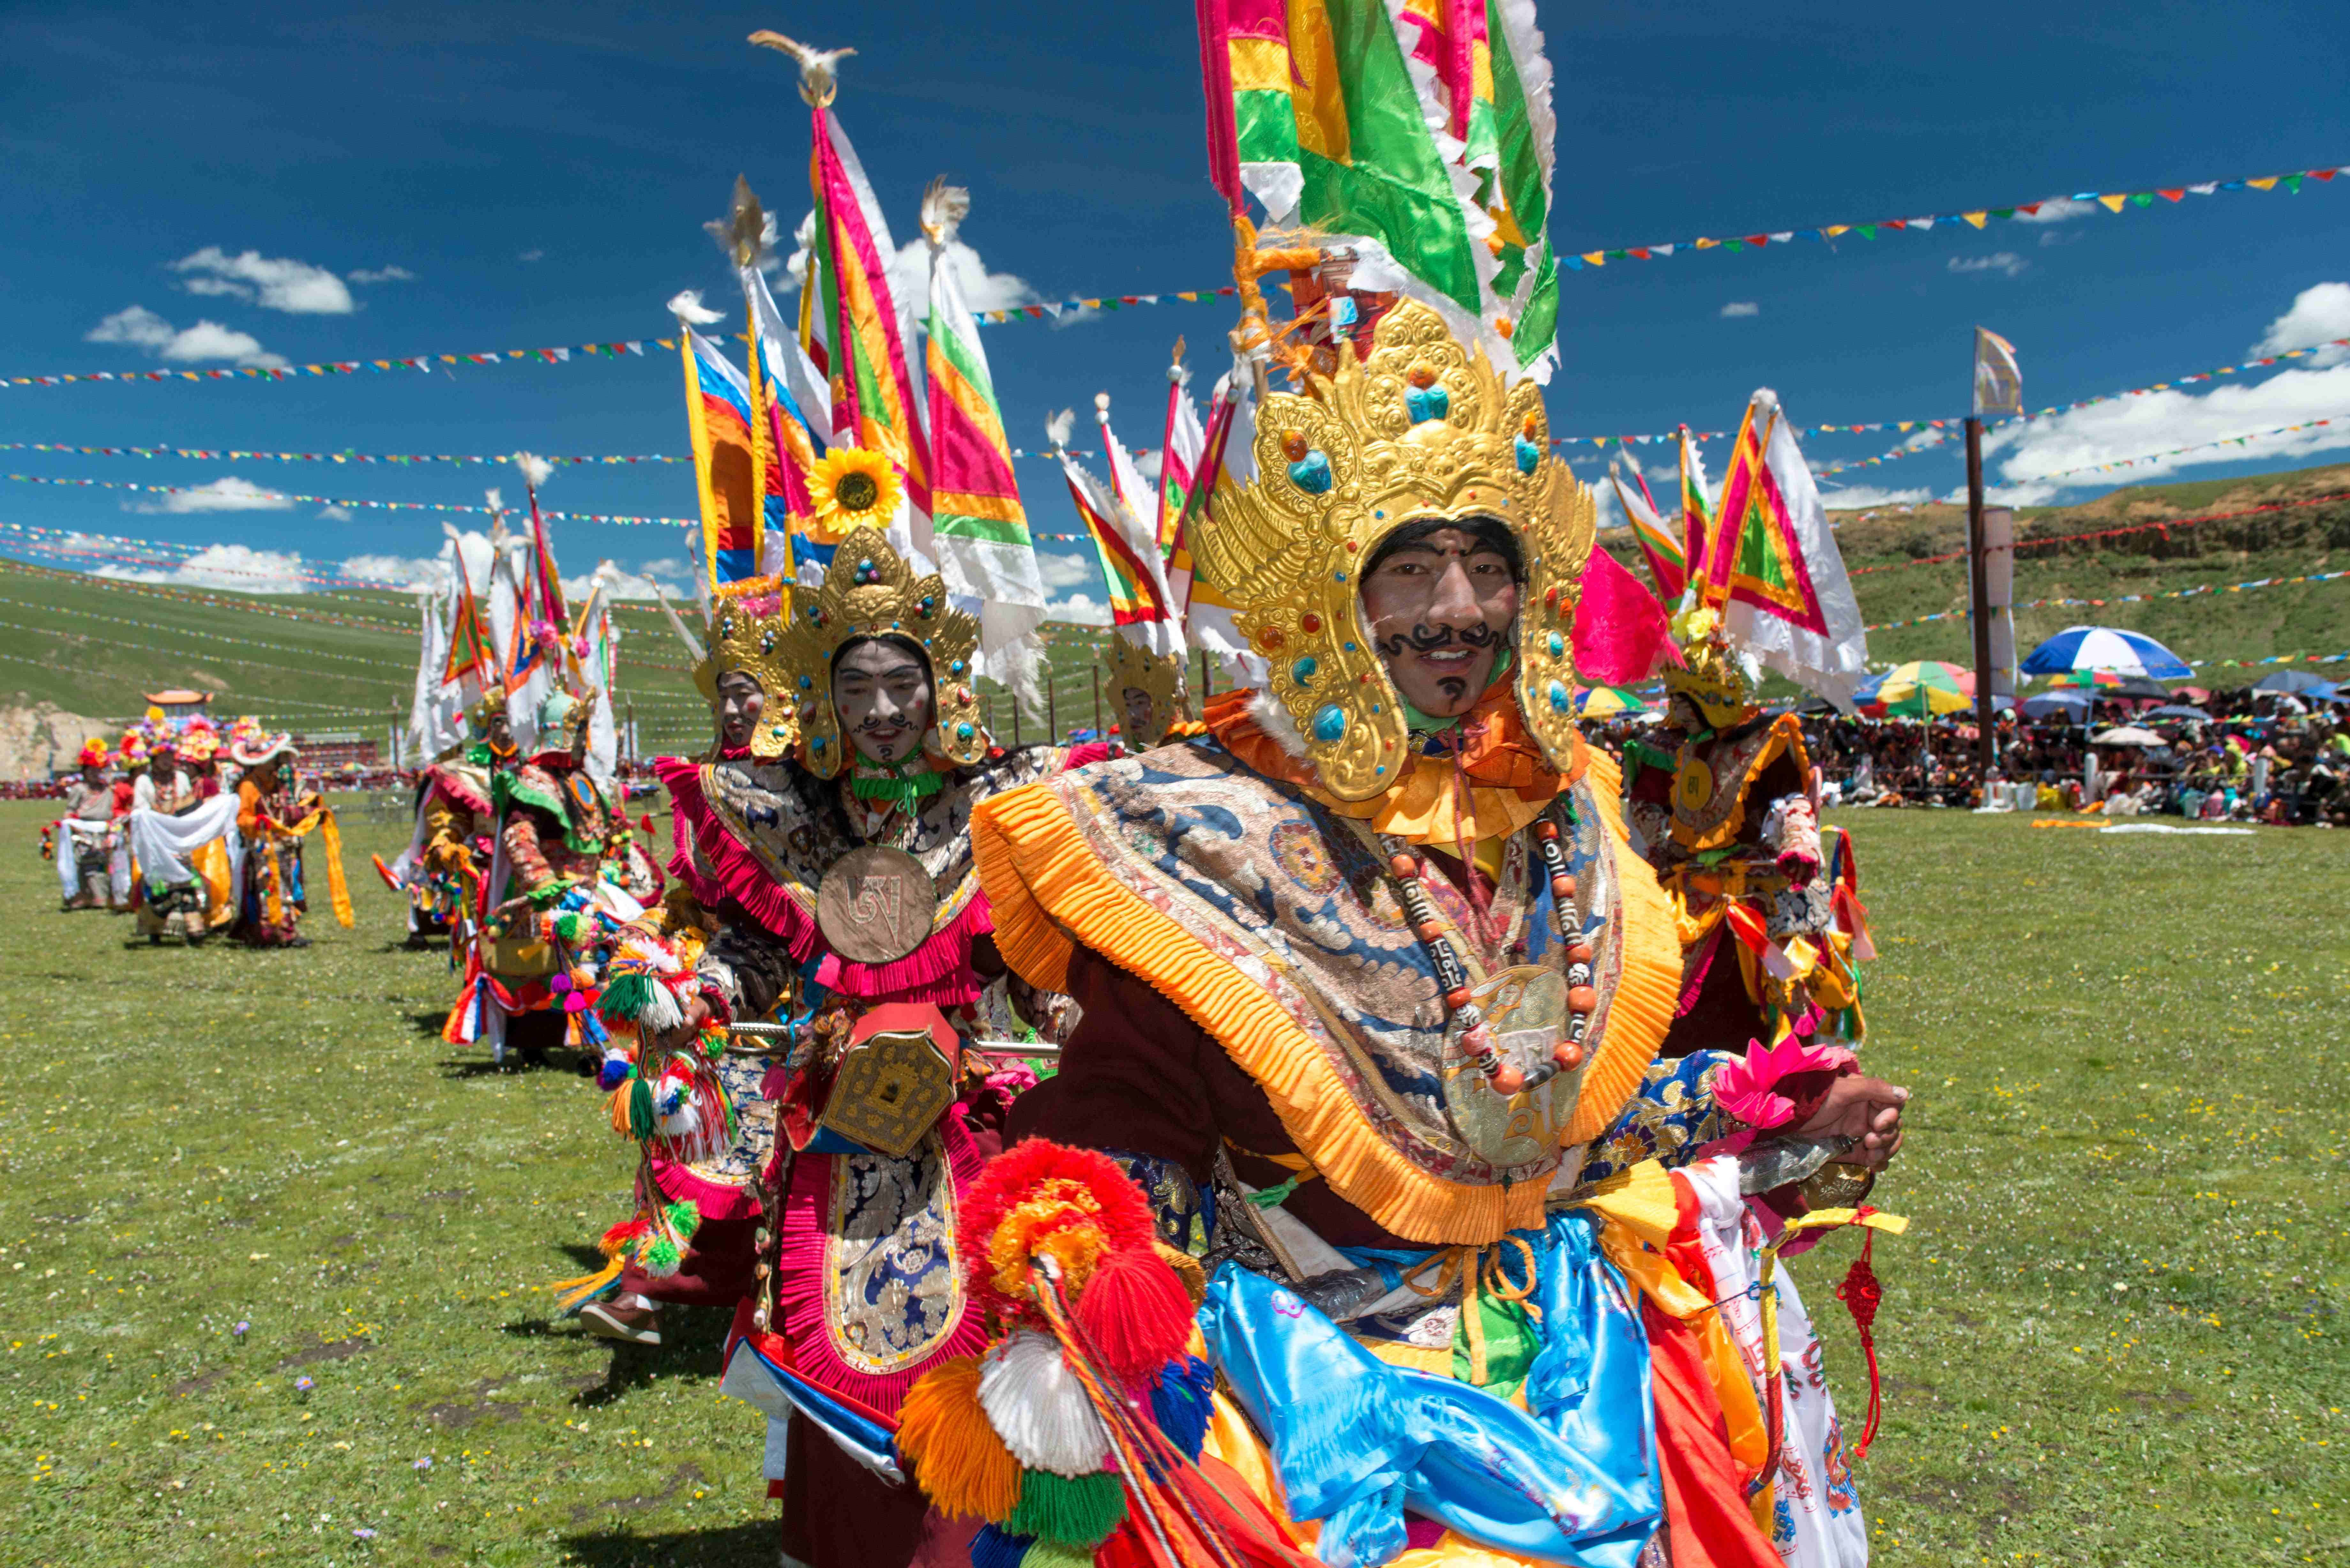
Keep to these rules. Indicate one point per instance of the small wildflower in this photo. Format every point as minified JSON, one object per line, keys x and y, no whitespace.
{"x":304,"y":1385}
{"x":241,"y":1328}
{"x":364,"y":1533}
{"x":425,"y":1463}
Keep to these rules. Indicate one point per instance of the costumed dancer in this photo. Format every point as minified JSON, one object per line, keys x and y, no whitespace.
{"x":1373,"y":990}
{"x":834,"y":861}
{"x":1723,"y":798}
{"x":567,"y":874}
{"x":1154,"y":703}
{"x":84,"y":838}
{"x":168,"y":902}
{"x":449,"y":854}
{"x":273,"y":816}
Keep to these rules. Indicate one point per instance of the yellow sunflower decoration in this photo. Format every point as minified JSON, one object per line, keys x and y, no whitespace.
{"x":852,"y":488}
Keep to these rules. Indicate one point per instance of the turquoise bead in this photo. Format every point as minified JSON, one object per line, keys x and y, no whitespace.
{"x":1529,"y":454}
{"x":1303,"y":671}
{"x":1558,"y":646}
{"x":1329,"y":722}
{"x":1559,"y":701}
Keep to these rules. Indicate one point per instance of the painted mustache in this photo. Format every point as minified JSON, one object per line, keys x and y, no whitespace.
{"x":1429,"y":639}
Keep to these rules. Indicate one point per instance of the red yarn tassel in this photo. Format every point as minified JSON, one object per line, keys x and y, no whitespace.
{"x":1860,"y":1293}
{"x":1136,"y":1313}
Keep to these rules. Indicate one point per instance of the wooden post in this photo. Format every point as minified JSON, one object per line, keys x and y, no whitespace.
{"x":628,"y":748}
{"x":1979,"y":592}
{"x":1100,"y":733}
{"x":1052,"y":709}
{"x":1207,"y":684}
{"x":1015,"y":719}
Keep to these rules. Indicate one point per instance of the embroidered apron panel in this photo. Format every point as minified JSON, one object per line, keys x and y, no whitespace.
{"x":1289,"y":896}
{"x":892,"y":1292}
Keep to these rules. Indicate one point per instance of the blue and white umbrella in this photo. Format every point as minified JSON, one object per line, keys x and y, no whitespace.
{"x":2072,"y":703}
{"x":2105,"y":648}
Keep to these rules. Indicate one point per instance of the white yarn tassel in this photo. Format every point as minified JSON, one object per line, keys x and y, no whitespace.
{"x":1039,"y":1408}
{"x":660,"y":1014}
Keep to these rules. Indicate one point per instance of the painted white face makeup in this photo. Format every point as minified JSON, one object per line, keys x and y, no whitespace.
{"x":1438,"y":610}
{"x":741,"y":700}
{"x":883,"y":693}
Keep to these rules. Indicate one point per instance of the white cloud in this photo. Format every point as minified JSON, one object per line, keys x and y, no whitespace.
{"x":143,"y":328}
{"x":226,"y":493}
{"x":135,"y":325}
{"x":335,"y":514}
{"x":2319,"y":312}
{"x":273,"y":283}
{"x":1852,"y":498}
{"x":1082,"y":609}
{"x":397,"y":571}
{"x":2006,"y":264}
{"x":2160,"y":421}
{"x":2055,"y":209}
{"x":1738,"y":307}
{"x":531,"y":256}
{"x":383,"y":274}
{"x":1062,"y":570}
{"x":1919,"y":441}
{"x":236,"y":566}
{"x":983,"y":289}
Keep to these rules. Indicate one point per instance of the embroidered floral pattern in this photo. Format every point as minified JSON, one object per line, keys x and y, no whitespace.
{"x":891,"y":1290}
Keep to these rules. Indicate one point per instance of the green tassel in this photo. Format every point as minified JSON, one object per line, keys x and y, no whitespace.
{"x":642,"y":1123}
{"x":684,"y":1218}
{"x":567,"y":926}
{"x":662,"y":1257}
{"x":625,"y":996}
{"x":1044,"y":1553}
{"x":1081,"y":1512}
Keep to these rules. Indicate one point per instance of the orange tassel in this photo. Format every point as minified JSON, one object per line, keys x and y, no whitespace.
{"x":958,"y":1460}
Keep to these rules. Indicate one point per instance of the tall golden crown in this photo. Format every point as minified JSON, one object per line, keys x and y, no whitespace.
{"x":748,"y":636}
{"x":1421,"y":429}
{"x":1158,"y":676}
{"x":870,"y":591}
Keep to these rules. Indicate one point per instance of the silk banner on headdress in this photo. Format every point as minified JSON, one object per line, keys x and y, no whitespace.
{"x":795,"y":412}
{"x":876,"y":402}
{"x":1772,"y":567}
{"x":726,"y":463}
{"x":1657,"y":546}
{"x":1697,"y":507}
{"x":979,"y":528}
{"x":1131,"y":573}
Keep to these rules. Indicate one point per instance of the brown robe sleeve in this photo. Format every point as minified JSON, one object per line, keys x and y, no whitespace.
{"x":1138,"y":1076}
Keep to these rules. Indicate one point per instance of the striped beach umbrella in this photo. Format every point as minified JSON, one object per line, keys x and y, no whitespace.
{"x":2105,"y":648}
{"x":1923,"y":688}
{"x":1607,"y":701}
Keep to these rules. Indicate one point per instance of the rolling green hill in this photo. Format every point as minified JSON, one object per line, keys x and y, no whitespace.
{"x":345,"y":660}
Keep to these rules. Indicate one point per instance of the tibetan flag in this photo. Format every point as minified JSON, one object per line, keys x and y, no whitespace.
{"x":550,"y":580}
{"x":1178,"y":455}
{"x":1227,"y":462}
{"x":1771,"y":567}
{"x":979,"y":528}
{"x":1657,"y":546}
{"x":1130,"y":569}
{"x":1312,"y":110}
{"x":524,"y":657}
{"x":471,"y":648}
{"x":876,"y":402}
{"x":1697,"y":509}
{"x":727,"y":461}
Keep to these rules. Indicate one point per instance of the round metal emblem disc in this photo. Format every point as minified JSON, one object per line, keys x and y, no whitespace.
{"x":876,"y":905}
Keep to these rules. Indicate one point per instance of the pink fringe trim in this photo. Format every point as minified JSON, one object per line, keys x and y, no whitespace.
{"x":450,"y":784}
{"x":939,"y":972}
{"x":800,"y":1281}
{"x":715,"y":1199}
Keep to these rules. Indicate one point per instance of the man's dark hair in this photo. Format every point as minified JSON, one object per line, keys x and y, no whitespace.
{"x":1488,"y":534}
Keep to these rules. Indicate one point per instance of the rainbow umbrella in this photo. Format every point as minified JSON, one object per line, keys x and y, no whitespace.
{"x":1607,"y":701}
{"x":1922,"y":688}
{"x":2088,"y":678}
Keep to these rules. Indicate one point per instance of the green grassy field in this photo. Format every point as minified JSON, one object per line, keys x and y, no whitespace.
{"x":92,"y":647}
{"x":2112,"y":1337}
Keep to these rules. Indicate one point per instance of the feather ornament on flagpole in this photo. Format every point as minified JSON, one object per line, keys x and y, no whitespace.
{"x":819,"y":80}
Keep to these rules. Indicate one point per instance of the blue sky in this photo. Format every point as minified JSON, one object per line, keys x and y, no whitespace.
{"x":431,"y":178}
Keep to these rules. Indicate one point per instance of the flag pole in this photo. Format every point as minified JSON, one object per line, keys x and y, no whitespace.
{"x":1978,"y":593}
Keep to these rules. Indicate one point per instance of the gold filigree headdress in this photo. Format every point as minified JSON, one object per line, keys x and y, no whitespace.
{"x":747,"y":635}
{"x":1158,"y":676}
{"x":1421,"y":429}
{"x":1710,"y":675}
{"x":870,"y":591}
